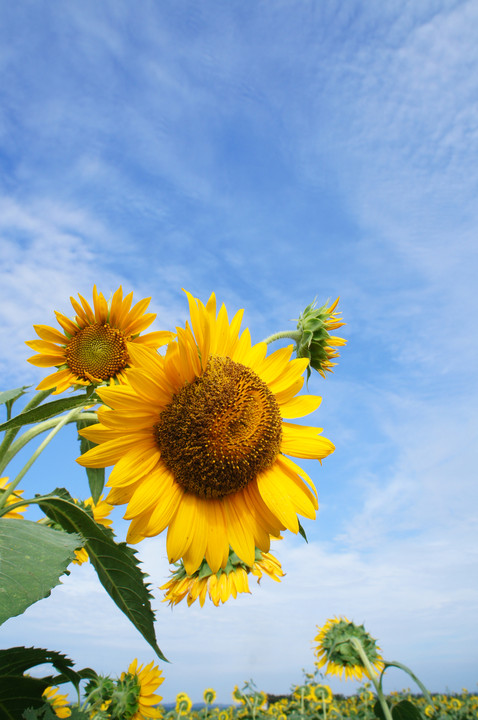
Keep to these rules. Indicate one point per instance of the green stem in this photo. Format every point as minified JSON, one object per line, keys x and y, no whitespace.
{"x":371,"y":674}
{"x":11,"y":434}
{"x":60,"y":423}
{"x":33,"y":432}
{"x":406,"y":669}
{"x":291,"y":334}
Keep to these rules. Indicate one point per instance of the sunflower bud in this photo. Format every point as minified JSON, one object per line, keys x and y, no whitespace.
{"x":314,"y":340}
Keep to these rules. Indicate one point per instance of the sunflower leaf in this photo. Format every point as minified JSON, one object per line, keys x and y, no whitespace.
{"x":96,"y":476}
{"x":32,"y":559}
{"x":19,"y":692}
{"x":46,"y":411}
{"x":115,"y":563}
{"x":8,"y":397}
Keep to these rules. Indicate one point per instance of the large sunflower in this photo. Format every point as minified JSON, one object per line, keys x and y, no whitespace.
{"x":199,"y":442}
{"x":94,"y":347}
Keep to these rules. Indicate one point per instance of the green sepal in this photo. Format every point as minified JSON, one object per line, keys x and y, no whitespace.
{"x":115,"y":563}
{"x":19,"y":692}
{"x":32,"y":559}
{"x":96,"y":476}
{"x":302,"y":531}
{"x":47,"y":411}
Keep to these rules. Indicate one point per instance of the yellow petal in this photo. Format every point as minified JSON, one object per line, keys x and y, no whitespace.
{"x":300,"y":406}
{"x":304,"y":442}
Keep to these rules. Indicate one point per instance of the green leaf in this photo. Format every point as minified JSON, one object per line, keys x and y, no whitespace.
{"x":378,"y":711}
{"x":32,"y":559}
{"x":96,"y":476}
{"x":115,"y":563}
{"x":48,"y":410}
{"x":43,"y":713}
{"x":19,"y":692}
{"x":406,"y":710}
{"x":12,"y":395}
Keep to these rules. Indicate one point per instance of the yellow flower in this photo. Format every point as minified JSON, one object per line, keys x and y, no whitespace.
{"x":148,"y":680}
{"x":183,"y":703}
{"x":209,"y":696}
{"x":321,"y":693}
{"x":94,"y":347}
{"x":12,"y":499}
{"x":58,"y":702}
{"x":199,"y":442}
{"x":221,"y":585}
{"x":313,"y":336}
{"x":100,"y":514}
{"x":336,"y":649}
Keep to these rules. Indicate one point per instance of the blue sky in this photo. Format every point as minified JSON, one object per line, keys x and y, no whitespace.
{"x":270,"y":152}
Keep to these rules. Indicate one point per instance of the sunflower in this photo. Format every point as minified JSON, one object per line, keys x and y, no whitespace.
{"x":59,"y":703}
{"x":100,"y":515}
{"x":221,"y":585}
{"x":94,"y":347}
{"x":200,"y":446}
{"x":313,"y":339}
{"x":336,"y":649}
{"x":148,"y":679}
{"x":11,"y":500}
{"x":183,"y":703}
{"x":209,"y":695}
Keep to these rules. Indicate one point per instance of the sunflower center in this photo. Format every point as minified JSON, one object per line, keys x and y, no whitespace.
{"x":97,"y":351}
{"x":220,"y":431}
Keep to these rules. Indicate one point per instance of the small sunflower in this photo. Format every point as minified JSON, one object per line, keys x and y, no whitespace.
{"x":100,"y":514}
{"x":209,"y":695}
{"x":17,"y":514}
{"x":199,"y":442}
{"x":94,"y":347}
{"x":148,"y":679}
{"x":314,"y":340}
{"x":221,"y":585}
{"x":321,"y":693}
{"x":183,"y":703}
{"x":59,"y":703}
{"x":336,"y":650}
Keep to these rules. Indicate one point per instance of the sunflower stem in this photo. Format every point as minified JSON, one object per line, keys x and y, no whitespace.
{"x":63,"y":420}
{"x":371,"y":674}
{"x":406,"y":669}
{"x":291,"y":334}
{"x":11,"y":434}
{"x":33,"y":432}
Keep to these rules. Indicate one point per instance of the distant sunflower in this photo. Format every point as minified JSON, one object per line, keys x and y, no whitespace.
{"x":17,"y":514}
{"x":199,"y":442}
{"x":223,"y":584}
{"x":335,"y":649}
{"x":94,"y":347}
{"x":148,"y":679}
{"x":59,"y":703}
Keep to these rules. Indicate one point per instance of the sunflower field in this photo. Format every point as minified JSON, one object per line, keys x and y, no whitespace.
{"x":196,"y":426}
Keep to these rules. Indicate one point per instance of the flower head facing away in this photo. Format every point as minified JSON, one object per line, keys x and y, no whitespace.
{"x":315,"y":341}
{"x":223,"y":584}
{"x":336,"y":649}
{"x":94,"y":347}
{"x":198,"y":440}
